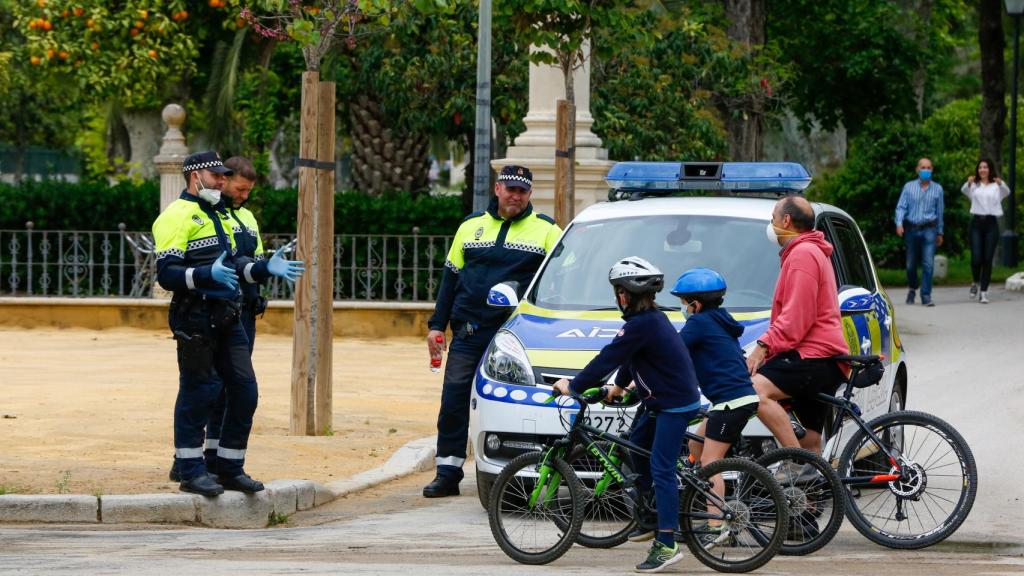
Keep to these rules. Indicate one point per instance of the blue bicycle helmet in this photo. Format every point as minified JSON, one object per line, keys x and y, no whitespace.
{"x":699,"y":281}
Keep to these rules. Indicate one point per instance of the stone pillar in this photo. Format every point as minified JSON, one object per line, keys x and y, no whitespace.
{"x":172,"y":155}
{"x":535,"y":148}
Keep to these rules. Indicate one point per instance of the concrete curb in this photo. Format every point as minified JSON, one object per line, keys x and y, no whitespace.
{"x":281,"y":498}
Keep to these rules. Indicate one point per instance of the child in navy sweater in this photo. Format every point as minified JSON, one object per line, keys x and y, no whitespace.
{"x":711,"y":337}
{"x":648,"y":352}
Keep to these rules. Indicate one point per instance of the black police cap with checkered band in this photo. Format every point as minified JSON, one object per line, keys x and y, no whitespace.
{"x":516,"y":177}
{"x":208,"y":160}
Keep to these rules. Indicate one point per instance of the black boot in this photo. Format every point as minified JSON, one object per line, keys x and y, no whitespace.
{"x":174,"y":474}
{"x":203,"y":484}
{"x":241,"y":483}
{"x":440,"y":487}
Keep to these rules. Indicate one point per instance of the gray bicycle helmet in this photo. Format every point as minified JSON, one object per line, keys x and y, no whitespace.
{"x":636,"y":276}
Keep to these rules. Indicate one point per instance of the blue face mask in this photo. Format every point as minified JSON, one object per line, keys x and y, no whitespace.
{"x":925,"y":174}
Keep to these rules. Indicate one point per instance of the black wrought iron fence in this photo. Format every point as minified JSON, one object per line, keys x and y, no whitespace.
{"x":367,"y":267}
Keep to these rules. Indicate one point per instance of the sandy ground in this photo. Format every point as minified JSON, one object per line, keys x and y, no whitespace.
{"x":90,"y":412}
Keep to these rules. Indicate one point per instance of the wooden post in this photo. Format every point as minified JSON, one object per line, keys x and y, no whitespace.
{"x":325,"y":251}
{"x":565,"y":163}
{"x":302,"y":420}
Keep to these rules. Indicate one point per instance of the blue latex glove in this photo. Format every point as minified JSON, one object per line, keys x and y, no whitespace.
{"x":290,"y":270}
{"x":223,"y":274}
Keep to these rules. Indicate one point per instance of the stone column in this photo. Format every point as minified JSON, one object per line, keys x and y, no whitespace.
{"x":535,"y":148}
{"x":172,"y":155}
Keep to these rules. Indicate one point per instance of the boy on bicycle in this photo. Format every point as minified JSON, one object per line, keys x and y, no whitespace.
{"x":710,"y":335}
{"x":648,"y":352}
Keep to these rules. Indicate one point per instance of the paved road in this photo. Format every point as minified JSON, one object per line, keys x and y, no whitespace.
{"x":965,"y":367}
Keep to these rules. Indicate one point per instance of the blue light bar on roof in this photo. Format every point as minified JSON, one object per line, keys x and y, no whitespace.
{"x":734,"y":176}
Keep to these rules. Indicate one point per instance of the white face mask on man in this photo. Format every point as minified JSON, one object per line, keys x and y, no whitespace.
{"x":210,"y":195}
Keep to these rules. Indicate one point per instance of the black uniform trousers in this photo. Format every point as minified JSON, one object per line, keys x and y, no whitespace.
{"x":211,"y":344}
{"x":219,"y":407}
{"x":467,"y":348}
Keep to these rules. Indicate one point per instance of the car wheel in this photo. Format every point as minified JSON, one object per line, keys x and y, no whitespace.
{"x":484,"y":482}
{"x":896,"y":398}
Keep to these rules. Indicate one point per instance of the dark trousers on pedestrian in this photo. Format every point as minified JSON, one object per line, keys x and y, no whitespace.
{"x":219,"y":407}
{"x":464,"y":356}
{"x":662,"y":433}
{"x":920,"y":243}
{"x":984,"y":231}
{"x":211,"y":361}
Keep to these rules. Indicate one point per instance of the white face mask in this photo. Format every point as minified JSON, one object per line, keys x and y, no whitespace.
{"x":772,"y":236}
{"x":210,"y":195}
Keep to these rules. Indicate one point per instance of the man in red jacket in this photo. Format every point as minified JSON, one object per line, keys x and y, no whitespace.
{"x":791,"y":360}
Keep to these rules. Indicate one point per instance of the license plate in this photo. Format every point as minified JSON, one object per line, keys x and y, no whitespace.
{"x":609,"y":423}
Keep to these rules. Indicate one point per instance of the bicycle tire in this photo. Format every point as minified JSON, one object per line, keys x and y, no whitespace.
{"x":816,"y":505}
{"x":759,"y":504}
{"x":608,"y":519}
{"x":510,"y":500}
{"x":918,"y":432}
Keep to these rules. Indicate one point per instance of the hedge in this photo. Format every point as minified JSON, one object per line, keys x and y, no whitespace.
{"x":59,"y":205}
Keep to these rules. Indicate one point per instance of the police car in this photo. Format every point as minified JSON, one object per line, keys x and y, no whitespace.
{"x":677,"y":216}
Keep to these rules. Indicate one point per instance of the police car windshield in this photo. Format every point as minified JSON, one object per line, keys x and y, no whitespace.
{"x":576,"y":275}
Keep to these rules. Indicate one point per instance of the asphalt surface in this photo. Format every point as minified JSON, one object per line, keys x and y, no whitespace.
{"x":965,"y":366}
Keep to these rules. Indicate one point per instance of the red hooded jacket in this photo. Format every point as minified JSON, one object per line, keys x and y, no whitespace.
{"x":805,"y":308}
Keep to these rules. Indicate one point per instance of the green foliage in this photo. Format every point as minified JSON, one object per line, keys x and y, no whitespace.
{"x":124,"y":50}
{"x":58,"y":205}
{"x":882,"y":157}
{"x":852,"y":60}
{"x":357,"y":213}
{"x":655,"y":101}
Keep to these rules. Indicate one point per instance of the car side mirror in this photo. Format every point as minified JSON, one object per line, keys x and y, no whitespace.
{"x":504,"y":295}
{"x":855,"y":300}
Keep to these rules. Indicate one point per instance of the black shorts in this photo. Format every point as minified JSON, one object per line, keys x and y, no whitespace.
{"x":802,"y":380}
{"x":727,"y":425}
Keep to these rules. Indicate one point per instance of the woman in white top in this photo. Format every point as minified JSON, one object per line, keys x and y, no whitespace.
{"x":986,"y":191}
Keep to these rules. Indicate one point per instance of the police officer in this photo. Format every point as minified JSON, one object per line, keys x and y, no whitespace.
{"x":195,"y":261}
{"x":506,"y":242}
{"x":248,"y":256}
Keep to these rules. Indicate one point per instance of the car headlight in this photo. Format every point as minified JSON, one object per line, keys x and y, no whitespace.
{"x":507,"y":362}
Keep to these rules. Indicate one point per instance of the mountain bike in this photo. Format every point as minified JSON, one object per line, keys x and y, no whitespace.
{"x":538,"y":504}
{"x":910,"y":477}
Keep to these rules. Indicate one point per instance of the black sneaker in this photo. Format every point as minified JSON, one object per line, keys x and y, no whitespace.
{"x":974,"y":291}
{"x":640,"y":534}
{"x":927,"y":301}
{"x":241,"y":483}
{"x":910,"y":296}
{"x":204,"y":485}
{"x":440,"y":487}
{"x":660,"y":557}
{"x":174,"y":475}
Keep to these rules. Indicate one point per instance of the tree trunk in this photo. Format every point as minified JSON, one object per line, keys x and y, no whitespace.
{"x":993,"y":81}
{"x":144,"y":134}
{"x":384,"y":160}
{"x":745,"y":125}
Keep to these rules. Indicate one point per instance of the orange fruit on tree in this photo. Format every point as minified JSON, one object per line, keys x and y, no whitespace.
{"x":90,"y":23}
{"x":139,"y":24}
{"x":32,"y":24}
{"x":41,"y":3}
{"x":79,"y":11}
{"x":184,"y":14}
{"x":214,"y":3}
{"x":134,"y":32}
{"x":95,"y":45}
{"x":47,"y":25}
{"x":143,"y":14}
{"x":35,"y":60}
{"x":65,"y":13}
{"x":152,"y":53}
{"x":63,"y":55}
{"x":49,"y":53}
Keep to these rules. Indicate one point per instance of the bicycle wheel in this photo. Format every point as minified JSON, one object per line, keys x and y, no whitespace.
{"x":817,"y":500}
{"x":742,"y":531}
{"x":608,"y":508}
{"x":934,"y":495}
{"x":535,"y":511}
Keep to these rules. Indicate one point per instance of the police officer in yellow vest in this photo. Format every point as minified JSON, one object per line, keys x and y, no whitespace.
{"x":506,"y":242}
{"x":196,"y":261}
{"x":253,"y":271}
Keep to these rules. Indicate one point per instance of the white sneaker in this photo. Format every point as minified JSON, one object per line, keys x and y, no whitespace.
{"x":984,"y":298}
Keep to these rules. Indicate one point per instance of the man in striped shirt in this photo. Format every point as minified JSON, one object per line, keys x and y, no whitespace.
{"x":919,"y":223}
